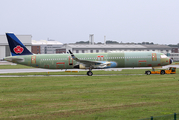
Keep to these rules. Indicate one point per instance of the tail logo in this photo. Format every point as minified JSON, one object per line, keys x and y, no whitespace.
{"x":18,"y":49}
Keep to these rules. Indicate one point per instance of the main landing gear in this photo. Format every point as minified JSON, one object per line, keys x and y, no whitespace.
{"x":90,"y":73}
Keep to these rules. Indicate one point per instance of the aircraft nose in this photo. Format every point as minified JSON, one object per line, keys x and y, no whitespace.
{"x":171,"y":60}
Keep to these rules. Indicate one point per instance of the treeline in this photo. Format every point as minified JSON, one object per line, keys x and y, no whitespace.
{"x":177,"y":45}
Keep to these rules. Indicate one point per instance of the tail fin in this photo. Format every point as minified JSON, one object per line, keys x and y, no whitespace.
{"x":15,"y":45}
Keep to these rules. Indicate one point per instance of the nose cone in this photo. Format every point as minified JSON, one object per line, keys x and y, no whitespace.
{"x":171,"y":60}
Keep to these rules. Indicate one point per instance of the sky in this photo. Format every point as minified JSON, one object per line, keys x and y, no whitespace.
{"x":69,"y":21}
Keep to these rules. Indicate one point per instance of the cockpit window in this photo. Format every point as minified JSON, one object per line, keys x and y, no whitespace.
{"x":163,"y":56}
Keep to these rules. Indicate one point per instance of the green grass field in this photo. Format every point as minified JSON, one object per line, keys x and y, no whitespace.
{"x":125,"y":97}
{"x":14,"y":67}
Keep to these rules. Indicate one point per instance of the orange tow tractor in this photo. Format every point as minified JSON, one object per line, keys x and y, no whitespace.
{"x":170,"y":70}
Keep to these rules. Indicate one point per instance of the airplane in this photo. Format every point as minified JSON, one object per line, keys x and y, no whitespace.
{"x":21,"y":55}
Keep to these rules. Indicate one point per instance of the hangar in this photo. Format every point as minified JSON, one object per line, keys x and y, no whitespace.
{"x":104,"y":48}
{"x":93,"y":47}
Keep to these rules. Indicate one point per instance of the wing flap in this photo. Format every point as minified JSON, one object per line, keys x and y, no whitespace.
{"x":93,"y":64}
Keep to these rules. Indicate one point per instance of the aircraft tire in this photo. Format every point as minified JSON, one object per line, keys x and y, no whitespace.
{"x":89,"y":73}
{"x":162,"y":72}
{"x":148,"y":72}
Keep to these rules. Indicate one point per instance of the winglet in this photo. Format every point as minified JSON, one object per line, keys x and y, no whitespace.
{"x":72,"y":54}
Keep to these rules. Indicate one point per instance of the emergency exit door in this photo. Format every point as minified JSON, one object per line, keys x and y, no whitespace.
{"x":70,"y":60}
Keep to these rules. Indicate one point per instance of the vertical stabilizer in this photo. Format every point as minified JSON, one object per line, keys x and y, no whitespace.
{"x":15,"y":45}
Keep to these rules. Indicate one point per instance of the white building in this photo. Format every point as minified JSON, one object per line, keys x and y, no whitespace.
{"x":46,"y":47}
{"x":104,"y":48}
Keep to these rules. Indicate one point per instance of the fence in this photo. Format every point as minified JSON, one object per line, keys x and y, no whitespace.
{"x":174,"y":116}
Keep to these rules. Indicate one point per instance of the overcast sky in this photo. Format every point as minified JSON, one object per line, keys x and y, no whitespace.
{"x":69,"y":21}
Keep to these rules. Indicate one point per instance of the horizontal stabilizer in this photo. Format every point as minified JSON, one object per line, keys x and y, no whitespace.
{"x":12,"y":59}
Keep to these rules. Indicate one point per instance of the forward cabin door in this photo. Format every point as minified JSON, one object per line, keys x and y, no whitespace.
{"x":154,"y":57}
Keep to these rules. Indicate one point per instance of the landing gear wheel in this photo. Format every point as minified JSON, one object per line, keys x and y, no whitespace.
{"x":89,"y":73}
{"x":148,"y":72}
{"x":162,"y":72}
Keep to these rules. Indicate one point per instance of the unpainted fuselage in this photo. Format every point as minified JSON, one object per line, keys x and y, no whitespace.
{"x":65,"y":61}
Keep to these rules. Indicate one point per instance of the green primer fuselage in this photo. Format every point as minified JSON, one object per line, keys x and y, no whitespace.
{"x":65,"y":61}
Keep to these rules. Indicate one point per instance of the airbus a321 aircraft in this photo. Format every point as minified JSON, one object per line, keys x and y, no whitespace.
{"x":21,"y":55}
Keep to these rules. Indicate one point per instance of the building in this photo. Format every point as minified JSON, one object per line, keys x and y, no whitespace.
{"x":104,"y":48}
{"x":45,"y":46}
{"x":175,"y":56}
{"x":174,"y":50}
{"x":4,"y":47}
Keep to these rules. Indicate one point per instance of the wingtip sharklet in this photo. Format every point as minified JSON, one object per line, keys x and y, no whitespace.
{"x":70,"y":51}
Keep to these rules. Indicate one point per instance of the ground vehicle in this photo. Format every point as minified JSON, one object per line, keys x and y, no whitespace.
{"x":170,"y":70}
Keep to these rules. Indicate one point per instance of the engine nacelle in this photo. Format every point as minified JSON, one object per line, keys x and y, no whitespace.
{"x":101,"y":65}
{"x":80,"y":66}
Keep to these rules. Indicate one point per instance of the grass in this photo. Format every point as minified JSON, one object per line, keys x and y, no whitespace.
{"x":14,"y":67}
{"x":122,"y":97}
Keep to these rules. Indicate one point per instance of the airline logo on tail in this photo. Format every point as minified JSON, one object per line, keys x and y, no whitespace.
{"x":18,"y":49}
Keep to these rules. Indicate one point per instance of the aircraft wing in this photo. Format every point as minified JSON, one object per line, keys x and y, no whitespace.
{"x":94,"y":64}
{"x":83,"y":61}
